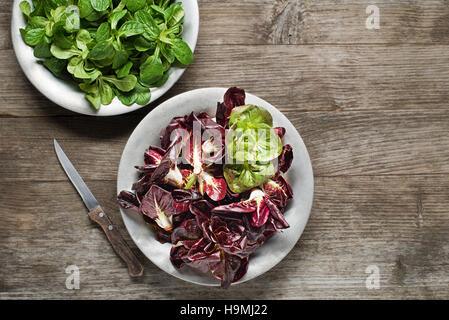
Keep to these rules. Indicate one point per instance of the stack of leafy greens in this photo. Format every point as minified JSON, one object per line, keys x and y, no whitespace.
{"x":109,"y":47}
{"x":215,"y":215}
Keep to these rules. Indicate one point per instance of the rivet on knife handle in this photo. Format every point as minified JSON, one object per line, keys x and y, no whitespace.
{"x":118,"y":243}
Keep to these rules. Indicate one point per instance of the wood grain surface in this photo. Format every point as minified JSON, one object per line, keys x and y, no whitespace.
{"x":371,"y":105}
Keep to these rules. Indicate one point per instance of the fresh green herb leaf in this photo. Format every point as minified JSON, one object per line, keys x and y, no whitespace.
{"x":83,"y":39}
{"x":167,"y":52}
{"x":143,"y":45}
{"x":151,"y":70}
{"x":124,"y":84}
{"x":42,"y":50}
{"x":115,"y":18}
{"x":62,"y":40}
{"x":85,"y":8}
{"x":106,"y":93}
{"x":182,"y":51}
{"x":177,"y":16}
{"x":25,"y":8}
{"x":162,"y":80}
{"x":103,"y":32}
{"x":131,"y":28}
{"x":151,"y":31}
{"x":56,"y":66}
{"x":72,"y":19}
{"x":102,"y":50}
{"x":134,"y":5}
{"x":120,"y":58}
{"x":124,"y":70}
{"x":140,"y":95}
{"x":34,"y":36}
{"x":60,"y":53}
{"x":100,"y":5}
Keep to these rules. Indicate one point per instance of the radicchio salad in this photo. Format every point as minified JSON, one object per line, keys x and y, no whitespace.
{"x":214,"y":188}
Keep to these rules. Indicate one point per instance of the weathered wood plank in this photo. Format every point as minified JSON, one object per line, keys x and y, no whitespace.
{"x":293,"y":78}
{"x":322,"y":22}
{"x":240,"y":22}
{"x":398,"y":223}
{"x":5,"y":27}
{"x":339,"y":143}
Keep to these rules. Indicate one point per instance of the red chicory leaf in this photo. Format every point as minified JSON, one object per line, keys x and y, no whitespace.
{"x":227,"y":269}
{"x":153,"y":155}
{"x":187,"y":230}
{"x":158,"y":204}
{"x":201,"y":208}
{"x":215,"y":188}
{"x":279,"y":191}
{"x":166,"y":133}
{"x":285,"y":159}
{"x":128,"y":200}
{"x":233,"y":97}
{"x":276,"y":214}
{"x":280,"y":131}
{"x":261,"y":212}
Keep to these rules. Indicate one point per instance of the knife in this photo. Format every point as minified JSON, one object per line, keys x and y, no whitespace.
{"x":97,"y":215}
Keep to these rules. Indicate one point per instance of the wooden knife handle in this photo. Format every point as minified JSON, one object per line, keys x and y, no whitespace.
{"x":118,"y":243}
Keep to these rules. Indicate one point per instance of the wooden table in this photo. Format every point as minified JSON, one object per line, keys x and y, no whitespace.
{"x":370,"y":104}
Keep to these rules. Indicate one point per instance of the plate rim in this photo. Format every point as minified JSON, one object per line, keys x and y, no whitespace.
{"x":124,"y":214}
{"x":24,"y":58}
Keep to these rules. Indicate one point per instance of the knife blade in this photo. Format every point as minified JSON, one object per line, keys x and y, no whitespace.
{"x":97,"y":214}
{"x":87,"y":196}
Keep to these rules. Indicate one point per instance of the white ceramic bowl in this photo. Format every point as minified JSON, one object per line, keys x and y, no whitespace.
{"x":300,"y":176}
{"x":69,"y":96}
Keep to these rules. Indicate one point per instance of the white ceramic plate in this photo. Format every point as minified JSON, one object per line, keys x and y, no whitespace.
{"x":69,"y":96}
{"x":300,"y":176}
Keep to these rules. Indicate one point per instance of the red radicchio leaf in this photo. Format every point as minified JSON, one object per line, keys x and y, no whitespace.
{"x":203,"y":261}
{"x":183,"y":195}
{"x":286,"y":158}
{"x":153,"y":155}
{"x":127,"y":200}
{"x":276,"y":214}
{"x":261,"y":212}
{"x":205,"y":120}
{"x":168,"y":171}
{"x":256,"y":205}
{"x":163,"y":236}
{"x":280,"y":131}
{"x":211,"y":150}
{"x":241,"y":271}
{"x":166,"y":134}
{"x":233,"y":97}
{"x":215,"y":188}
{"x":228,"y":269}
{"x":147,"y":169}
{"x":279,"y":191}
{"x":187,"y":230}
{"x":201,"y":208}
{"x":236,"y":207}
{"x":198,"y":254}
{"x":177,"y":254}
{"x":183,"y":198}
{"x":141,"y":187}
{"x":158,"y":204}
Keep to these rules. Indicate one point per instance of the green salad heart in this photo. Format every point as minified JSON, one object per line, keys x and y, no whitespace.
{"x":251,"y":145}
{"x":108,"y":47}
